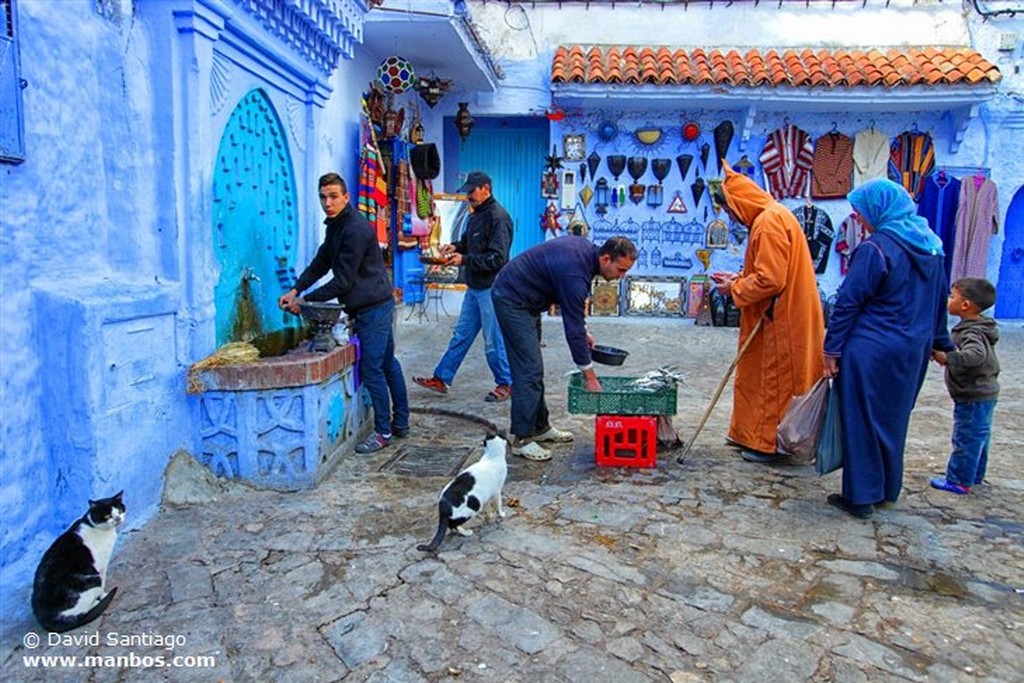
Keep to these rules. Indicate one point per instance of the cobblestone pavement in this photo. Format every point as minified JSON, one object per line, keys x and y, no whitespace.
{"x":714,"y":570}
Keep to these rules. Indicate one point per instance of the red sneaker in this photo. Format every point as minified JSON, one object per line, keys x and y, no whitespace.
{"x":499,"y":393}
{"x":432,"y":383}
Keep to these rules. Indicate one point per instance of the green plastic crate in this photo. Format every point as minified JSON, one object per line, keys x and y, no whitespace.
{"x":616,"y":399}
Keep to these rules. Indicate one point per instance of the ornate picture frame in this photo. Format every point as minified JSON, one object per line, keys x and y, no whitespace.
{"x":655,"y":296}
{"x":605,"y":297}
{"x":574,"y":147}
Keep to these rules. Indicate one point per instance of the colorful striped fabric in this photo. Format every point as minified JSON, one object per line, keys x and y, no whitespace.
{"x":911,"y":161}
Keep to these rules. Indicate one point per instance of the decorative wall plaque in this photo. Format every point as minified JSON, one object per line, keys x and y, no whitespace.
{"x":604,"y":297}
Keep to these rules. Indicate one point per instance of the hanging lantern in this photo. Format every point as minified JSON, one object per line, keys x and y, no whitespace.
{"x":463,"y":121}
{"x":601,"y":192}
{"x":396,"y":75}
{"x":432,"y":89}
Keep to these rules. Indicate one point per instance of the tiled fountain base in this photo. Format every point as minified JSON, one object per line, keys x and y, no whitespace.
{"x":280,"y":423}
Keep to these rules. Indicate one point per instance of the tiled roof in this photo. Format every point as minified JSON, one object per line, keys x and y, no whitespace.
{"x":755,"y":68}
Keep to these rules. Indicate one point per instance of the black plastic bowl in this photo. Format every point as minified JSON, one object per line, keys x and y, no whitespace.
{"x":608,"y":355}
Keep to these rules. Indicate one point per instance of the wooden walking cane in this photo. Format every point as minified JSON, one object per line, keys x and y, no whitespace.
{"x":725,"y":380}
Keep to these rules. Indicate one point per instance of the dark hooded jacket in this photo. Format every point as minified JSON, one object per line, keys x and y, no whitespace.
{"x":972,"y":370}
{"x":350,"y":253}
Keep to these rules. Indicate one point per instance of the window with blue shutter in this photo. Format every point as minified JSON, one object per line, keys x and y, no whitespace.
{"x":12,"y":137}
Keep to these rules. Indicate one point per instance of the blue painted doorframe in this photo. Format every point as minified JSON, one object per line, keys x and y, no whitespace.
{"x":1010,"y":291}
{"x":512,"y":151}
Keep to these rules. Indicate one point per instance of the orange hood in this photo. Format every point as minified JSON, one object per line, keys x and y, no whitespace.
{"x":745,"y":198}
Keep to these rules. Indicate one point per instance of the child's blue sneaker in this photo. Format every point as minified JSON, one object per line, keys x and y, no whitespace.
{"x":943,"y":484}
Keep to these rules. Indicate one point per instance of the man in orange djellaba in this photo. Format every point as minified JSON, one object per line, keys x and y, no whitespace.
{"x":777,"y":283}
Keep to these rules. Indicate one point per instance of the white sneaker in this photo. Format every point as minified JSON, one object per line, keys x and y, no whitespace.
{"x":554,"y":436}
{"x":532,"y":451}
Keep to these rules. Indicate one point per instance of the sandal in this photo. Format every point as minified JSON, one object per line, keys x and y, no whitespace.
{"x":499,"y":393}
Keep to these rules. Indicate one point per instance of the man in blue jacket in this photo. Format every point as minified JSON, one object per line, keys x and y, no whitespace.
{"x":482,"y":251}
{"x":558,"y":271}
{"x":362,"y":285}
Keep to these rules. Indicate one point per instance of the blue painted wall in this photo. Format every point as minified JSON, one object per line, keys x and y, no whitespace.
{"x":109,"y":269}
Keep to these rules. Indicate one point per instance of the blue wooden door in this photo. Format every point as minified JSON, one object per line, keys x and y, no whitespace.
{"x":1010,"y":289}
{"x":512,"y":151}
{"x":254,"y":222}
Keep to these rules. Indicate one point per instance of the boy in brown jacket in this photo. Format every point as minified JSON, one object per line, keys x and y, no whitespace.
{"x":972,"y":378}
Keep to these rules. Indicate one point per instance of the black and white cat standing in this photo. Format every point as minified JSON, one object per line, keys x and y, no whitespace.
{"x":70,"y":583}
{"x":476,"y":488}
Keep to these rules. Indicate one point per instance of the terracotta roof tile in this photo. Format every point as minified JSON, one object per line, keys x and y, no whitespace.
{"x":756,"y":68}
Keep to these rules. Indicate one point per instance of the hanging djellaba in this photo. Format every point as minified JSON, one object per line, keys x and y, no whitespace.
{"x":637,"y":167}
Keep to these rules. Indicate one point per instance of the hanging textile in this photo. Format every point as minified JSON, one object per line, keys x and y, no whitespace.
{"x":939,"y":202}
{"x":911,"y":160}
{"x":870,"y":156}
{"x":787,"y":159}
{"x":833,"y":165}
{"x":372,"y":199}
{"x":817,"y":227}
{"x":419,"y":220}
{"x":851,"y":233}
{"x":977,"y":219}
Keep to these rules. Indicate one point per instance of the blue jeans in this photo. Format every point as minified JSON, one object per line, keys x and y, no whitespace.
{"x":477,"y":314}
{"x":380,"y":371}
{"x":521,"y":329}
{"x":972,"y":432}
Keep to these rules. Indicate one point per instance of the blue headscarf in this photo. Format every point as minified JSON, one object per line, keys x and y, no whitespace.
{"x":888,"y":207}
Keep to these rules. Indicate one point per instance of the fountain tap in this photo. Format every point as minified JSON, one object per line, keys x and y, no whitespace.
{"x":249,"y":274}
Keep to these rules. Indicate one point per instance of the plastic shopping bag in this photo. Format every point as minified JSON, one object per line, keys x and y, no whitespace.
{"x":829,"y":456}
{"x":801,"y":425}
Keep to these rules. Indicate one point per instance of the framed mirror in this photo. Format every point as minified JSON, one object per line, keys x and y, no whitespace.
{"x":452,"y":212}
{"x":655,"y":296}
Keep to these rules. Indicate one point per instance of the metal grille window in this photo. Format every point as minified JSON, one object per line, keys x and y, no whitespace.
{"x":12,"y":138}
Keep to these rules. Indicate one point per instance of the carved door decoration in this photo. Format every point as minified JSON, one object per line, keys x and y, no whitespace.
{"x":254,"y":221}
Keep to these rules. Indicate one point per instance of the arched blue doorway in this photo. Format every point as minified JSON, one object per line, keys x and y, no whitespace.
{"x":1010,"y":289}
{"x":254,"y":221}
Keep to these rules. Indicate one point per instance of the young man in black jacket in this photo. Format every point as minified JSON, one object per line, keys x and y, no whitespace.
{"x":361,"y":284}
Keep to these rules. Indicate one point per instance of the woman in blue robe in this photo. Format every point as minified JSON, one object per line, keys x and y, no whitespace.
{"x":889,"y":314}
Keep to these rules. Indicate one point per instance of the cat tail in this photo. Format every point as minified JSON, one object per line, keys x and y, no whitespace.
{"x":444,"y":513}
{"x":60,"y":625}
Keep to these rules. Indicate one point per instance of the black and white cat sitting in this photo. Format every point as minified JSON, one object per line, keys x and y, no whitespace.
{"x":70,"y":583}
{"x":477,"y":488}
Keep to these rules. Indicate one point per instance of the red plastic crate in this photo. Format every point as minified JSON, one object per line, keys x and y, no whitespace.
{"x":626,"y":440}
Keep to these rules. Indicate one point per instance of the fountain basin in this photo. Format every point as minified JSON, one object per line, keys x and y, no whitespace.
{"x":281,"y":422}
